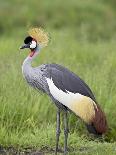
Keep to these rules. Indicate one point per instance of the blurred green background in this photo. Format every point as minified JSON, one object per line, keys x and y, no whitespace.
{"x":82,"y":38}
{"x":86,"y":18}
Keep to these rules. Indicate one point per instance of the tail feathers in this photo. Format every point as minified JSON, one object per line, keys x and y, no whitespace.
{"x":98,"y":126}
{"x":91,"y":129}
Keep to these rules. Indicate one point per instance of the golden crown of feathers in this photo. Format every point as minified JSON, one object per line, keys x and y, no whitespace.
{"x":39,"y":35}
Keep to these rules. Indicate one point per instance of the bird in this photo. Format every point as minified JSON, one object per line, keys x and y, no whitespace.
{"x":66,"y":89}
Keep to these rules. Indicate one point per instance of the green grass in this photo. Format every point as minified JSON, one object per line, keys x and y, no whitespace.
{"x":25,"y":115}
{"x":82,"y":39}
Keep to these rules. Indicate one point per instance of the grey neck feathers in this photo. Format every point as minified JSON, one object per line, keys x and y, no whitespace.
{"x":26,"y":66}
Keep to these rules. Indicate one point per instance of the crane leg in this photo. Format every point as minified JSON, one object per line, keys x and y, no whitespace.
{"x":66,"y":130}
{"x":57,"y":130}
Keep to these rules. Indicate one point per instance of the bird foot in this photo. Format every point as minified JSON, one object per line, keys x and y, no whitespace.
{"x":59,"y":150}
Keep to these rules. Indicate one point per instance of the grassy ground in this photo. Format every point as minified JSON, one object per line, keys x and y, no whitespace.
{"x":25,"y":115}
{"x":82,"y":39}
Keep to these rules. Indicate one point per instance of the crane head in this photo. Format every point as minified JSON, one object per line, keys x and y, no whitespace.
{"x":37,"y":39}
{"x":29,"y":42}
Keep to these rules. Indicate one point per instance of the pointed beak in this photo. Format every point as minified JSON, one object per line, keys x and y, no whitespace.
{"x":25,"y":46}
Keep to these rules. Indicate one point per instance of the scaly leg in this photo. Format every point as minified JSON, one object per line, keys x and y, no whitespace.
{"x":57,"y":130}
{"x":66,"y":130}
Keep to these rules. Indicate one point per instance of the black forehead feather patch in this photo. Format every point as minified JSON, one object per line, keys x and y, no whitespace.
{"x":28,"y":39}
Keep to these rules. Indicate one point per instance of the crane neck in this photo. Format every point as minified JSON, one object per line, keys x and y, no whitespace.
{"x":26,"y":66}
{"x":33,"y":54}
{"x":30,"y":58}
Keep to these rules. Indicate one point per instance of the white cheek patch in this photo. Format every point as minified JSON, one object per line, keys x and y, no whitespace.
{"x":33,"y":44}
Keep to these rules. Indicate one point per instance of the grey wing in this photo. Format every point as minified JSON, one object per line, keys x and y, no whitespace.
{"x":68,"y":81}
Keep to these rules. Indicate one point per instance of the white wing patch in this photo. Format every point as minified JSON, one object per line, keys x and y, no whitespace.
{"x":66,"y":98}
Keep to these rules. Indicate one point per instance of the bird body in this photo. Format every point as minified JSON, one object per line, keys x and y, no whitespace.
{"x":80,"y":100}
{"x":66,"y":89}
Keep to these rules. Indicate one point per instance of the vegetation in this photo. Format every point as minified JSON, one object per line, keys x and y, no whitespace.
{"x":82,"y":39}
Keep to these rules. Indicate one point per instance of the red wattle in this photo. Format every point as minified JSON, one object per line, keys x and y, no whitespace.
{"x":31,"y":53}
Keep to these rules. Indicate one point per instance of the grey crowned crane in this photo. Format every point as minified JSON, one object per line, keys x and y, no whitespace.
{"x":67,"y":90}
